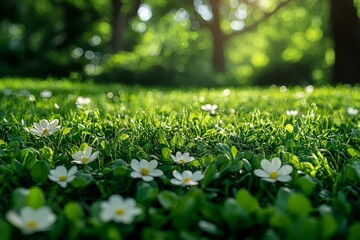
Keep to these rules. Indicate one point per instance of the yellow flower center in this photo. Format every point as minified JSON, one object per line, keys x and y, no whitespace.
{"x":144,"y":171}
{"x":187,"y":180}
{"x":31,"y":224}
{"x":62,"y":178}
{"x":181,"y":161}
{"x":119,"y":211}
{"x":45,"y":132}
{"x":84,"y":160}
{"x":273,"y":175}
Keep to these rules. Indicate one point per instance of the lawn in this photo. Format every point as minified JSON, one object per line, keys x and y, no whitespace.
{"x":128,"y":162}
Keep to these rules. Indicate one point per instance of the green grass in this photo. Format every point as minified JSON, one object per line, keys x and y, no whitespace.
{"x":123,"y":123}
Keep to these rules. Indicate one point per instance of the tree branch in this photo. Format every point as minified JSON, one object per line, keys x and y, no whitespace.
{"x":256,"y":24}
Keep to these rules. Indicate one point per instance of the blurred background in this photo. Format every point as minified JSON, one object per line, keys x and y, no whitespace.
{"x":182,"y":42}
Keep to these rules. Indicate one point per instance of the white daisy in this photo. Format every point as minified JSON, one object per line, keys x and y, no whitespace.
{"x":182,"y":158}
{"x":84,"y":157}
{"x":293,"y":113}
{"x":273,"y":171}
{"x":119,"y":209}
{"x":209,"y":108}
{"x":31,"y":220}
{"x":46,"y":94}
{"x":62,"y":176}
{"x":44,"y":128}
{"x":145,"y":170}
{"x":186,"y":178}
{"x":352,"y":111}
{"x":82,"y":101}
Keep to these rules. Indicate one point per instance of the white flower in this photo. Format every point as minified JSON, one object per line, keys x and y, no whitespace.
{"x":352,"y":111}
{"x":119,"y":209}
{"x":182,"y":158}
{"x":145,"y":170}
{"x":82,"y":101}
{"x":273,"y":171}
{"x":31,"y":220}
{"x":186,"y":178}
{"x":293,"y":113}
{"x":46,"y":94}
{"x":62,"y":176}
{"x":84,"y":157}
{"x":209,"y":108}
{"x":44,"y":128}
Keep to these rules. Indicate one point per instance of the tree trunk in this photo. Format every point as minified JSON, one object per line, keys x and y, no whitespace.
{"x":218,"y":37}
{"x":118,"y":24}
{"x":346,"y":34}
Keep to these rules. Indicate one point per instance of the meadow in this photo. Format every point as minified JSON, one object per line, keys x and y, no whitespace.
{"x":86,"y":161}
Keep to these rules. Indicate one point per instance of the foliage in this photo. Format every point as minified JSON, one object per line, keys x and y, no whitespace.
{"x":57,"y":38}
{"x":320,"y":141}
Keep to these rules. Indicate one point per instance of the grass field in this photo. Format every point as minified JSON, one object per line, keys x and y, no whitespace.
{"x":52,"y":185}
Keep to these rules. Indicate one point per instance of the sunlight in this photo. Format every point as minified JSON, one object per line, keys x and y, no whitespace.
{"x":144,"y":12}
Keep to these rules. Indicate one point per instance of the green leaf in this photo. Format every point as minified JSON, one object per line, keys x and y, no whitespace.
{"x":168,"y":199}
{"x":46,"y":154}
{"x":18,"y":198}
{"x":289,"y":128}
{"x":146,"y":193}
{"x":235,"y":165}
{"x":307,"y":184}
{"x":81,"y":180}
{"x":166,"y":152}
{"x":66,"y":131}
{"x":354,"y":231}
{"x":40,"y":171}
{"x":247,"y":165}
{"x":299,"y":205}
{"x":35,"y":198}
{"x":353,"y":152}
{"x":328,"y":225}
{"x":73,"y":211}
{"x":5,"y":230}
{"x":234,"y":151}
{"x":282,"y":198}
{"x":247,"y":201}
{"x":209,"y":175}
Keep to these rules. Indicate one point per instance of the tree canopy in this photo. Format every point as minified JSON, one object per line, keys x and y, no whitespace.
{"x":202,"y":42}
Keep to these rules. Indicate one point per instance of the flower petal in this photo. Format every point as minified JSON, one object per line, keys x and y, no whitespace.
{"x":156,"y":173}
{"x":177,"y":175}
{"x":285,"y":170}
{"x":93,"y":156}
{"x":266,"y":165}
{"x":261,"y":173}
{"x":72,"y":171}
{"x":44,"y":123}
{"x":144,"y":163}
{"x":284,"y":178}
{"x":135,"y":164}
{"x":135,"y":175}
{"x":275,"y":164}
{"x":53,"y":124}
{"x":35,"y":132}
{"x":187,"y":174}
{"x":52,"y":178}
{"x":176,"y":181}
{"x":178,"y":155}
{"x":87,"y":151}
{"x":152,"y":165}
{"x":147,"y":178}
{"x":197,"y":176}
{"x":269,"y":179}
{"x":61,"y":170}
{"x":15,"y":219}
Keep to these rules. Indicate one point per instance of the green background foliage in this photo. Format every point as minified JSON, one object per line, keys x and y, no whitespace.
{"x":173,"y":46}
